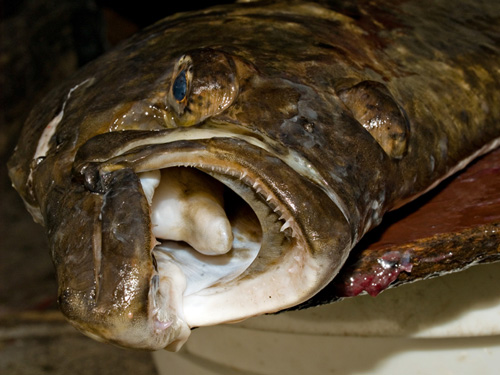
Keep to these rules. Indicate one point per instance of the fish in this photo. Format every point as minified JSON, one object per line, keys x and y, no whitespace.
{"x":221,"y":164}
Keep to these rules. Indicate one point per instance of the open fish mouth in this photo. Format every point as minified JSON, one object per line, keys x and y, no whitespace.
{"x":227,"y":241}
{"x":182,"y":188}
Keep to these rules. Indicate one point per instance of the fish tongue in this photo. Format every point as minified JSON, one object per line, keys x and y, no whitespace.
{"x":188,"y":206}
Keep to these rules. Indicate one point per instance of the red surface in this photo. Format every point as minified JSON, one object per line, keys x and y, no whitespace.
{"x":468,"y":200}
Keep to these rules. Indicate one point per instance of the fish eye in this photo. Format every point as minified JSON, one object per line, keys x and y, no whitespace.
{"x":203,"y":84}
{"x":179,"y":87}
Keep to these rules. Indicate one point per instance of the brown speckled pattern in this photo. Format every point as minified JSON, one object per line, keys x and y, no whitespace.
{"x":438,"y":62}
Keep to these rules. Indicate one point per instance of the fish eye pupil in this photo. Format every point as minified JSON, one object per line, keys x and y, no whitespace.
{"x":180,"y":86}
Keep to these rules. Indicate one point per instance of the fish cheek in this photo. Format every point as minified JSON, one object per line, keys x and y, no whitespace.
{"x":270,"y":102}
{"x":373,"y":106}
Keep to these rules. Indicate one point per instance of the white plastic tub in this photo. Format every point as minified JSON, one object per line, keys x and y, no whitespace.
{"x":447,"y":325}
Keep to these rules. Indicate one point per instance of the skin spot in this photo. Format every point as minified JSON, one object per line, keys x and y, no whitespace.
{"x":309,"y":127}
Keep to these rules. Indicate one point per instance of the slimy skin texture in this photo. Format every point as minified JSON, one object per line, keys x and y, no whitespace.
{"x":321,"y":116}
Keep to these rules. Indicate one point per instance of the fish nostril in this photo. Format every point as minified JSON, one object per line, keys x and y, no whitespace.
{"x":89,"y":175}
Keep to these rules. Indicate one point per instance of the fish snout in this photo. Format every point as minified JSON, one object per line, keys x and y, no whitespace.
{"x":109,"y":287}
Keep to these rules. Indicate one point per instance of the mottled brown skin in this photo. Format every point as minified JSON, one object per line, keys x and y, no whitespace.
{"x":288,"y":63}
{"x":372,"y":106}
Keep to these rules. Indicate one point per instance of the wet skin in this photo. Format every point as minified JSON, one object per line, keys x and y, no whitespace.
{"x":320,"y":116}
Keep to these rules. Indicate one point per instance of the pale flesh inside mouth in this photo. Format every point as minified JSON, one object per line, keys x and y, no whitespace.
{"x":227,"y":249}
{"x":202,"y":227}
{"x":187,"y":206}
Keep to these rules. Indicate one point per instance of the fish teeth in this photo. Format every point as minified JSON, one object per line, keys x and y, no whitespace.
{"x":286,"y":225}
{"x":149,"y":182}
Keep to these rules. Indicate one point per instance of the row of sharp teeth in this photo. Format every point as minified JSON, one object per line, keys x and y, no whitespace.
{"x":274,"y":205}
{"x":288,"y":227}
{"x":260,"y":189}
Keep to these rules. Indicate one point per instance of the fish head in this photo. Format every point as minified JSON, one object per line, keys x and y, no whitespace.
{"x":222,"y":164}
{"x":185,"y":201}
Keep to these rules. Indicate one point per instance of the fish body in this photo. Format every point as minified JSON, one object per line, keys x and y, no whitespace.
{"x":297,"y":124}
